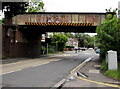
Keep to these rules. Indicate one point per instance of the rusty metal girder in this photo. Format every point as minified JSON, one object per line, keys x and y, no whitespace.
{"x":93,"y":19}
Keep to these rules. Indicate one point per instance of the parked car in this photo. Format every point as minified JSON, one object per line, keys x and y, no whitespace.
{"x":90,"y":48}
{"x":97,"y":50}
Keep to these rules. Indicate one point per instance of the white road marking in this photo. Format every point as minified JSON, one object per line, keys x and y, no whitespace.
{"x":23,"y":68}
{"x":29,"y":67}
{"x":11,"y":72}
{"x":36,"y":65}
{"x":59,"y":83}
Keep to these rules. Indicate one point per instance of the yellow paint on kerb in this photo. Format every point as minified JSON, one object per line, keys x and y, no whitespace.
{"x":82,"y":64}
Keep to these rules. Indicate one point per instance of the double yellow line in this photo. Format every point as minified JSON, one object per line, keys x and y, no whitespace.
{"x":84,"y":79}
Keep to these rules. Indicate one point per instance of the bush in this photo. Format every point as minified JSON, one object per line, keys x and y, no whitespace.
{"x":61,"y":46}
{"x":104,"y":66}
{"x":60,"y":40}
{"x":51,"y":49}
{"x":43,"y":49}
{"x":108,"y":35}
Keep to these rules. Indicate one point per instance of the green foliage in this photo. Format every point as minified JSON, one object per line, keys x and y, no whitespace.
{"x":51,"y":49}
{"x":109,"y":39}
{"x":70,"y":35}
{"x":85,"y":40}
{"x":14,"y":8}
{"x":110,"y":10}
{"x":36,"y":6}
{"x":113,"y":74}
{"x":108,"y":35}
{"x":110,"y":73}
{"x":91,"y":41}
{"x":0,"y":21}
{"x":43,"y":48}
{"x":104,"y":66}
{"x":60,"y":40}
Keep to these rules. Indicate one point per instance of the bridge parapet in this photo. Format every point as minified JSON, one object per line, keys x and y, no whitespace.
{"x":94,"y":19}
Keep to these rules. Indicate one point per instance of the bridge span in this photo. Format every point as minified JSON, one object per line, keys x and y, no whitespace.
{"x":57,"y":21}
{"x":22,"y":37}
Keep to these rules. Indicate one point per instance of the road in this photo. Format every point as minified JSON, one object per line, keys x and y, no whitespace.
{"x":46,"y":75}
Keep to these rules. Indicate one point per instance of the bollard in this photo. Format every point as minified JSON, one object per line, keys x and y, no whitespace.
{"x":112,"y":60}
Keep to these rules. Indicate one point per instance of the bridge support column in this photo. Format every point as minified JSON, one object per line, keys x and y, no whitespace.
{"x":26,"y":46}
{"x":20,"y":44}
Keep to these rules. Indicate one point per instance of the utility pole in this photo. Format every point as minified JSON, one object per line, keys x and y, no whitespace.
{"x":94,"y":41}
{"x":46,"y":36}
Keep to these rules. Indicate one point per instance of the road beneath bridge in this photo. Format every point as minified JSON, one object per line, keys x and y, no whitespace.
{"x":46,"y":75}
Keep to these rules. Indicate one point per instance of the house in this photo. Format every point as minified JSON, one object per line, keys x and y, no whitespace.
{"x":71,"y":42}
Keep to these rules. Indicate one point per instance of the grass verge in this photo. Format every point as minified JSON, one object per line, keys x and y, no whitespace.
{"x":115,"y":74}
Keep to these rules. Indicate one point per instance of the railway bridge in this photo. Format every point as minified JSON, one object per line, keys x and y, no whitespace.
{"x":22,"y":38}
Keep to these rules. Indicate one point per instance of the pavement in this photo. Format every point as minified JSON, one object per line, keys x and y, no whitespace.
{"x":14,"y":60}
{"x":17,"y":64}
{"x":88,"y":74}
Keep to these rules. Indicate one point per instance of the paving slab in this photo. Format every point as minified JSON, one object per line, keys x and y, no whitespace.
{"x":81,"y":83}
{"x":93,"y":73}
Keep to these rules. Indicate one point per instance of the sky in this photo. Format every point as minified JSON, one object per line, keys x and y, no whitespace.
{"x":79,"y":5}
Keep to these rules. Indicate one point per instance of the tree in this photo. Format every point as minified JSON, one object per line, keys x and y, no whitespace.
{"x":69,"y":34}
{"x":108,"y":35}
{"x":110,"y":10}
{"x":60,"y":40}
{"x":84,"y":40}
{"x":2,"y":21}
{"x":35,"y":6}
{"x":14,"y":8}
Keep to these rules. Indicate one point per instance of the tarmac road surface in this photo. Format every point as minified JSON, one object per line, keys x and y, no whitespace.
{"x":46,"y":75}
